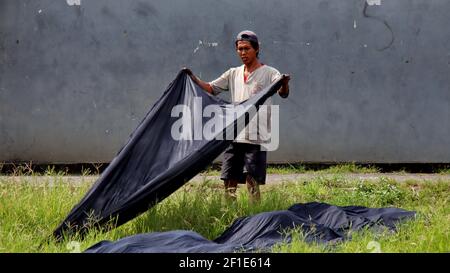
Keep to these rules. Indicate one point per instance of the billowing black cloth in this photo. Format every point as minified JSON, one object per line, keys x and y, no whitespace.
{"x":152,"y":164}
{"x":319,"y":222}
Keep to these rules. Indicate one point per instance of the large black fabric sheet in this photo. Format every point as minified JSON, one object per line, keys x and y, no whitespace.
{"x":319,"y":222}
{"x":152,"y":164}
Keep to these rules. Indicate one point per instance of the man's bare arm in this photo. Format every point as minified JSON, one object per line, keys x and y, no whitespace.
{"x":204,"y":85}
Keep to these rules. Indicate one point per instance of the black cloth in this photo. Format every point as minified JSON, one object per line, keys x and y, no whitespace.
{"x":152,"y":164}
{"x":240,"y":159}
{"x":320,"y":222}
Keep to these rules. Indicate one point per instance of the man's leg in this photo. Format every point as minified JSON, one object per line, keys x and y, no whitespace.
{"x":232,"y":170}
{"x":255,"y":164}
{"x":230,"y":189}
{"x":253,"y":189}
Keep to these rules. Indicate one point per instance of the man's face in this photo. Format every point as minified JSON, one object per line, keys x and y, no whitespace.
{"x":246,"y":52}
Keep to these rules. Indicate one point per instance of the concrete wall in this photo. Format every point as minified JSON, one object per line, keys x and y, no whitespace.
{"x":369,"y":83}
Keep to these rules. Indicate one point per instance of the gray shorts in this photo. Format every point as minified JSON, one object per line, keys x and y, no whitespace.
{"x":241,"y":159}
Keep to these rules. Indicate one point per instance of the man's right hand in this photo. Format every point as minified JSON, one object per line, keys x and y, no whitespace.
{"x":204,"y":85}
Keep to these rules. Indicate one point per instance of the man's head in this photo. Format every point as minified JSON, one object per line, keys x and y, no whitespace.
{"x":247,"y":46}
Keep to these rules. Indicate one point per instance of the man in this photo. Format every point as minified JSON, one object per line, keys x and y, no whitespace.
{"x":243,"y":82}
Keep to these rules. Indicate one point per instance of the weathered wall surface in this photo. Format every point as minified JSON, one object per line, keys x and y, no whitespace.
{"x":369,"y":83}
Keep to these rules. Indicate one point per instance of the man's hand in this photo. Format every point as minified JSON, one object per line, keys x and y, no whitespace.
{"x":286,"y":79}
{"x":204,"y":85}
{"x":284,"y":90}
{"x":187,"y":71}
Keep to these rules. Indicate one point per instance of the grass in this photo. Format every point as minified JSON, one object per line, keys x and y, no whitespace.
{"x":30,"y":211}
{"x":299,"y":168}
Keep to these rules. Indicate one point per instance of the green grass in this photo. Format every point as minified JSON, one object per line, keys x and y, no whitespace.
{"x":30,"y":211}
{"x":299,"y":168}
{"x":286,"y":169}
{"x":350,"y":168}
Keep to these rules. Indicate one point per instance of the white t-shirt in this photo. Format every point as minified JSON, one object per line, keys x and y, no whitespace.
{"x":233,"y":81}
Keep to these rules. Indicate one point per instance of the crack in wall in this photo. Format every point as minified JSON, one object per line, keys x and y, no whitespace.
{"x":366,"y":5}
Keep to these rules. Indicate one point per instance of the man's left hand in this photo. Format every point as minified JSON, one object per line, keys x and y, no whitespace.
{"x":286,"y":79}
{"x":284,"y":90}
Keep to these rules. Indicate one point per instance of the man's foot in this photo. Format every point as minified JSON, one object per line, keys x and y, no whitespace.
{"x":230,"y":190}
{"x":230,"y":195}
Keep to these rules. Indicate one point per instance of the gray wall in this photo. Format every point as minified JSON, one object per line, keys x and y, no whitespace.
{"x":76,"y":80}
